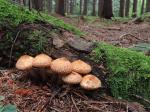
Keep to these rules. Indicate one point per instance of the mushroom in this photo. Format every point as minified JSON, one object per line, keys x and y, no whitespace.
{"x":61,"y":66}
{"x":72,"y":78}
{"x":90,"y":82}
{"x":24,"y":63}
{"x":40,"y":63}
{"x":81,"y":67}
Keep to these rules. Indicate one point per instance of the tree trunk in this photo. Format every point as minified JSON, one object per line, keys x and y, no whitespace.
{"x":67,"y":6}
{"x":134,"y":8}
{"x":100,"y":7}
{"x":30,"y":5}
{"x":85,"y":7}
{"x":148,"y":6}
{"x":94,"y":8}
{"x":142,"y":8}
{"x":71,"y":6}
{"x":81,"y":6}
{"x":122,"y":8}
{"x":127,"y":8}
{"x":61,"y":7}
{"x":107,"y":9}
{"x":49,"y":5}
{"x":37,"y":4}
{"x":21,"y":2}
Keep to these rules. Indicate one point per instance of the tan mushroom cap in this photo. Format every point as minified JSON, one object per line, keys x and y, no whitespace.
{"x":90,"y":82}
{"x":24,"y":62}
{"x":42,"y":60}
{"x":72,"y":78}
{"x":61,"y":66}
{"x":81,"y":67}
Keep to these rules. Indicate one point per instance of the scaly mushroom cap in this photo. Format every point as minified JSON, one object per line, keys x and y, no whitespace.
{"x":81,"y":67}
{"x":24,"y":62}
{"x":61,"y":66}
{"x":90,"y":82}
{"x":41,"y":61}
{"x":72,"y":78}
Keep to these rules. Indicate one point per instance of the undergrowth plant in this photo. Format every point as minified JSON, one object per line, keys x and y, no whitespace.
{"x":129,"y":71}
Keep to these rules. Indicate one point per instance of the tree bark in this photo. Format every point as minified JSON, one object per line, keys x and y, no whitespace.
{"x":122,"y":8}
{"x":37,"y":4}
{"x":107,"y":9}
{"x":85,"y":7}
{"x":61,"y":7}
{"x":49,"y":5}
{"x":71,"y":6}
{"x":127,"y":8}
{"x":94,"y":8}
{"x":81,"y":6}
{"x":134,"y":8}
{"x":148,"y":6}
{"x":100,"y":7}
{"x":142,"y":8}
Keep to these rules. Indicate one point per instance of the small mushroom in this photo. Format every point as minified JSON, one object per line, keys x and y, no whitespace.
{"x":61,"y":66}
{"x":24,"y":63}
{"x":72,"y":78}
{"x":81,"y":67}
{"x":90,"y":82}
{"x":41,"y":63}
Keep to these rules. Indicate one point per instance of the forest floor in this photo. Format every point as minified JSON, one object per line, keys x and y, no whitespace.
{"x":33,"y":97}
{"x":123,"y":33}
{"x":29,"y":96}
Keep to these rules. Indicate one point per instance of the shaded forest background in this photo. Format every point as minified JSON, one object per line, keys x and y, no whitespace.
{"x":101,"y":8}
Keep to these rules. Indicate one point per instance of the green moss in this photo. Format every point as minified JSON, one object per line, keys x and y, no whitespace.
{"x":14,"y":15}
{"x":129,"y":70}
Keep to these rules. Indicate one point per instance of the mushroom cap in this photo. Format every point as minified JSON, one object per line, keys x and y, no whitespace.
{"x":42,"y":60}
{"x":24,"y":62}
{"x":72,"y":78}
{"x":61,"y":66}
{"x":90,"y":82}
{"x":81,"y":67}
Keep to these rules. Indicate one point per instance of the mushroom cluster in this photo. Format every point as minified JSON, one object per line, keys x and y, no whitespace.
{"x":76,"y":72}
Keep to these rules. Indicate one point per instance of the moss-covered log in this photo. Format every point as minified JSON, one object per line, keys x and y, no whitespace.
{"x":129,"y":71}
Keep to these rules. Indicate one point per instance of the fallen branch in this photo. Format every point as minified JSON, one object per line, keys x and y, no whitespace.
{"x":49,"y":101}
{"x":112,"y":28}
{"x":75,"y":104}
{"x":123,"y":36}
{"x":11,"y":51}
{"x":141,"y":98}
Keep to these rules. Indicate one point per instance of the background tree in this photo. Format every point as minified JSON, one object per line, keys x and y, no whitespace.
{"x":60,"y":7}
{"x":148,"y":6}
{"x":49,"y":5}
{"x":81,"y":6}
{"x":135,"y":8}
{"x":85,"y":7}
{"x":127,"y":8}
{"x":100,"y":7}
{"x":122,"y":8}
{"x":72,"y":2}
{"x":107,"y":11}
{"x":94,"y":8}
